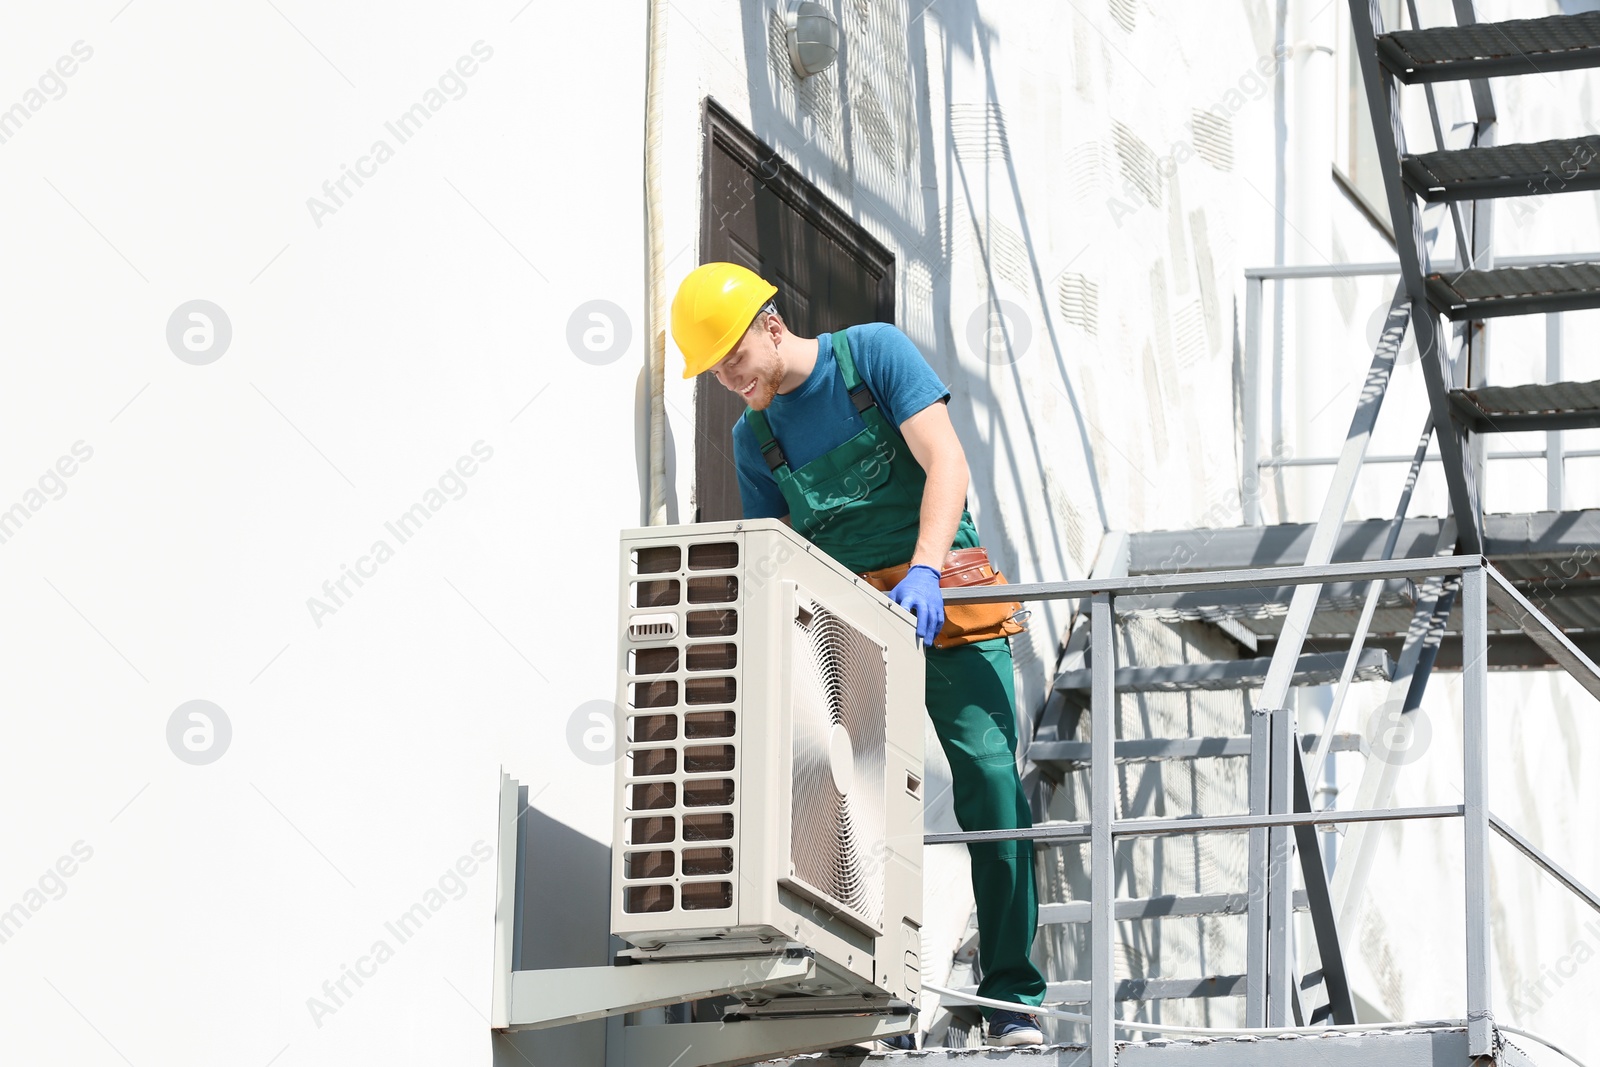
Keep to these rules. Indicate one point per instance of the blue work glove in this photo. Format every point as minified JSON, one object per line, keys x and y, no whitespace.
{"x":918,"y":592}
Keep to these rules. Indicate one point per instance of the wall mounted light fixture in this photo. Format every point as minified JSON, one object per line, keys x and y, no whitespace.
{"x":813,"y":37}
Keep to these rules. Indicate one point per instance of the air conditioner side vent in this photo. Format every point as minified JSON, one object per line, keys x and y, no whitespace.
{"x":653,"y":626}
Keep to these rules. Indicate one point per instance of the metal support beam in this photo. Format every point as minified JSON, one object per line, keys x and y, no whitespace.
{"x":1081,"y":992}
{"x":1554,"y":463}
{"x":1102,"y":812}
{"x":1341,"y":1006}
{"x":1373,"y":592}
{"x":1475,"y":819}
{"x":728,"y":1044}
{"x":1550,"y":866}
{"x":1275,"y":690}
{"x":1255,"y":1002}
{"x":1151,"y":749}
{"x":1150,"y":908}
{"x":557,"y":996}
{"x":1250,"y":406}
{"x":1207,"y":582}
{"x":1280,"y":880}
{"x":1485,"y":134}
{"x":1463,"y":245}
{"x":1194,"y":824}
{"x":507,"y":893}
{"x":1383,"y":100}
{"x":1310,"y":668}
{"x":1557,"y":645}
{"x":1080,"y":832}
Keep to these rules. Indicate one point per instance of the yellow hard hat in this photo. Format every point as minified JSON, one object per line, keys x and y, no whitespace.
{"x":715,"y":304}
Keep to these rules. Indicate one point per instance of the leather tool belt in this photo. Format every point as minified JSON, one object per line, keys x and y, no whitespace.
{"x":963,"y":623}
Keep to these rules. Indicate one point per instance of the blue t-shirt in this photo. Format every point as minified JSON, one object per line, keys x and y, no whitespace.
{"x":819,"y":417}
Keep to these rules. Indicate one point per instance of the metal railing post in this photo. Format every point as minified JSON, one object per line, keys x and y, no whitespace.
{"x":1475,"y":581}
{"x":1280,"y":881}
{"x":1475,"y":818}
{"x":1255,"y":968}
{"x":1252,"y":476}
{"x":1554,"y":461}
{"x":1102,"y":812}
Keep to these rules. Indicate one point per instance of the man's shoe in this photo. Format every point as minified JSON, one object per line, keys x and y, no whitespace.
{"x":898,"y":1043}
{"x":1008,"y":1028}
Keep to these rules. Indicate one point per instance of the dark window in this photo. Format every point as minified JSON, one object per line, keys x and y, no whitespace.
{"x":830,"y":273}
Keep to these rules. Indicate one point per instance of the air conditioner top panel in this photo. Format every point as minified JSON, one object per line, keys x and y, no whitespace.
{"x":740,"y":527}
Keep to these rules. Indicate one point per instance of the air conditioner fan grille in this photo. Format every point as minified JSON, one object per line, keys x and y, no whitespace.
{"x":840,"y":697}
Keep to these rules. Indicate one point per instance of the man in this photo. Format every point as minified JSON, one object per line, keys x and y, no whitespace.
{"x":876,"y":477}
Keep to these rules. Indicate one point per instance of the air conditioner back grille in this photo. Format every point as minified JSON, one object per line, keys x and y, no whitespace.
{"x":681,"y":755}
{"x":837,"y":822}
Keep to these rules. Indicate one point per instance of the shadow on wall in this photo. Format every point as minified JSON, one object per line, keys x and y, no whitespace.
{"x":566,"y":909}
{"x":641,"y":435}
{"x":864,"y":132}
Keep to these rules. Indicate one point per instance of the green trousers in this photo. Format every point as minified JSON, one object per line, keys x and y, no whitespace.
{"x":971,"y":700}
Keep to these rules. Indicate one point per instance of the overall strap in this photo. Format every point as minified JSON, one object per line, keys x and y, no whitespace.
{"x":860,"y":395}
{"x":769,"y":444}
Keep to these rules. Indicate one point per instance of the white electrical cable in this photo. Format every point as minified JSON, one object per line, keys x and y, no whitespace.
{"x":655,"y":350}
{"x":1199,"y":1031}
{"x":1545,"y":1041}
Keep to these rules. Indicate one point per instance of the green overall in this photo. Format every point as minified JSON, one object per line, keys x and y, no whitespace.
{"x":862,"y":504}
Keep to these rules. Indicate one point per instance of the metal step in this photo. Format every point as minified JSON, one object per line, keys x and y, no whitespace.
{"x":1149,"y":749}
{"x":1164,"y":907}
{"x":1483,"y":294}
{"x":1313,"y":668}
{"x":1520,"y":408}
{"x":1217,"y":985}
{"x":1493,"y":49}
{"x":1569,"y":165}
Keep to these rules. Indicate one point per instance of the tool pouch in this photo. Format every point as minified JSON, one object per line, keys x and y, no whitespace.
{"x":963,"y":623}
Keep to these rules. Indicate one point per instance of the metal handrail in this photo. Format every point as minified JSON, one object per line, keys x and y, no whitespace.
{"x":1354,"y":270}
{"x":1481,"y":584}
{"x":1254,"y":464}
{"x":1431,"y":457}
{"x":1216,"y":581}
{"x":1193,"y":824}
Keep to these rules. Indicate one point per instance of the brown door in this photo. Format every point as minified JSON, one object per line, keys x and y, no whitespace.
{"x":830,"y":273}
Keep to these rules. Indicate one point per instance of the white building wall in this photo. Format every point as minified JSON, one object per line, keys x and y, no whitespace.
{"x":369,"y":353}
{"x":1037,"y":160}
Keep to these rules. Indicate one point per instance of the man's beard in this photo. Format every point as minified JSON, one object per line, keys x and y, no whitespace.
{"x":766,"y":389}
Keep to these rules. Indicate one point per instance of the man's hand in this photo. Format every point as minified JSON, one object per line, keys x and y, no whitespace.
{"x":918,"y":592}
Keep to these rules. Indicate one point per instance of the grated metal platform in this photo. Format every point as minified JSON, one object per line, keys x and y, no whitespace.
{"x":1567,"y":165}
{"x":1493,"y":49}
{"x":1523,"y":408}
{"x":1550,"y":556}
{"x":1483,"y":294}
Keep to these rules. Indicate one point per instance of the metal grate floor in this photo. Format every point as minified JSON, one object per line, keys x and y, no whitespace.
{"x":1481,"y":294}
{"x":1561,"y":166}
{"x":1521,"y":46}
{"x":1513,"y":408}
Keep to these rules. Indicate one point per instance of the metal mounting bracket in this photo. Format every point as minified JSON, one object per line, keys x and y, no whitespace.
{"x":767,"y":1025}
{"x":561,"y":995}
{"x":727,"y":1044}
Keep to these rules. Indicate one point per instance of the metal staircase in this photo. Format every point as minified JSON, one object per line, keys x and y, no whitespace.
{"x":1402,"y":629}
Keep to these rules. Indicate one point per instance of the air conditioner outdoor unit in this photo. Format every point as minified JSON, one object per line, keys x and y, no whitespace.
{"x":769,"y":779}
